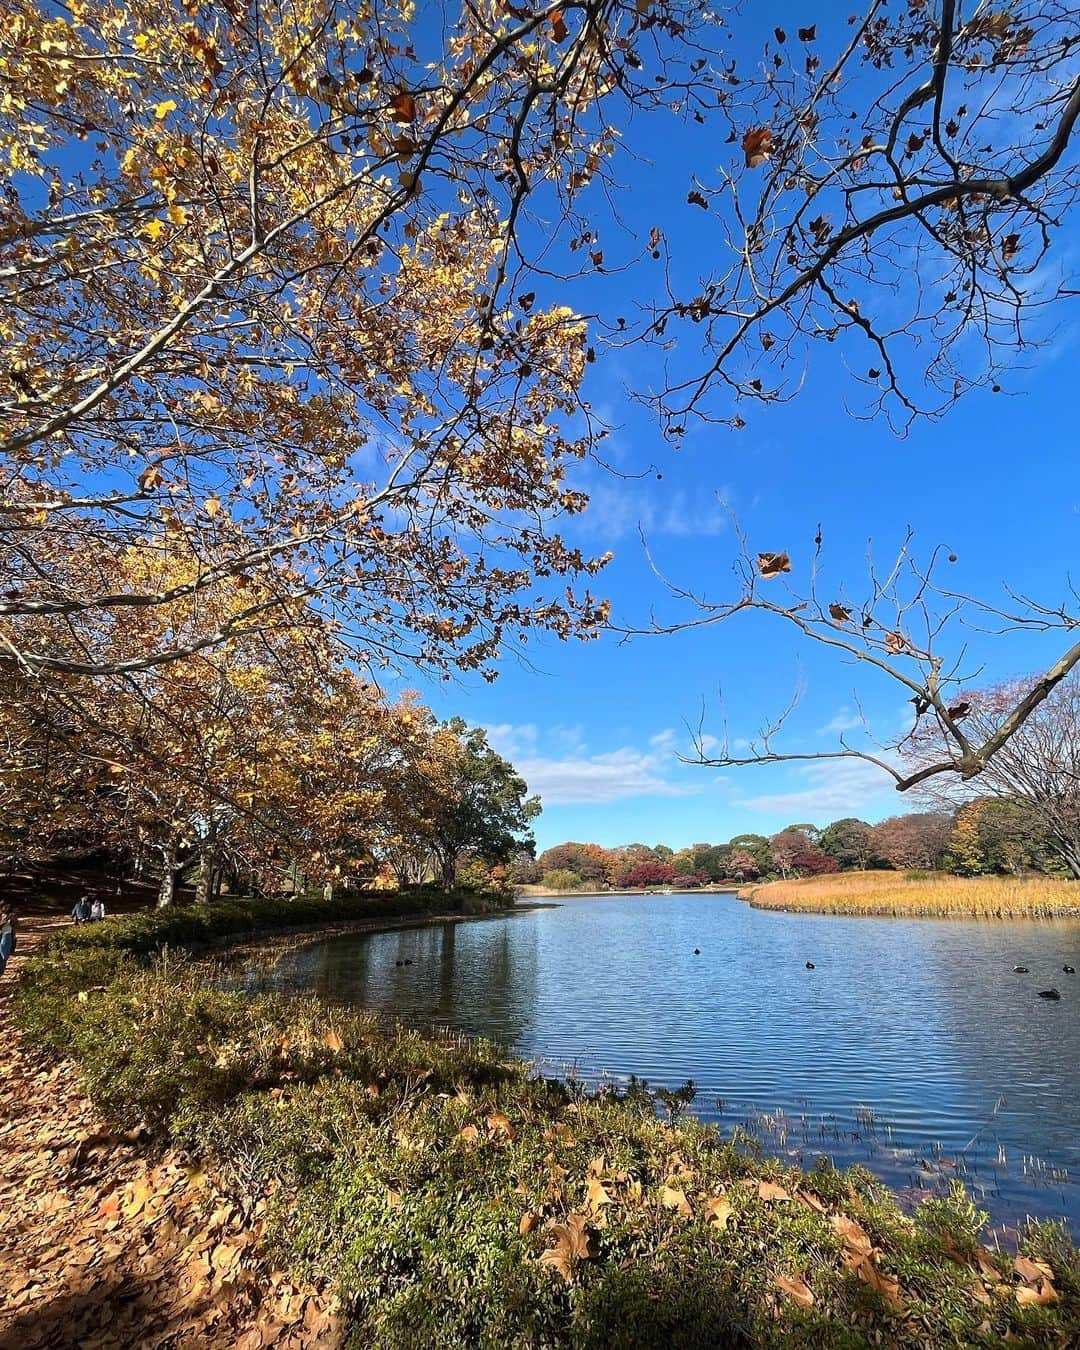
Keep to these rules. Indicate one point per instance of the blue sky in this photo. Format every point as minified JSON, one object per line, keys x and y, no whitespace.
{"x":596,"y":728}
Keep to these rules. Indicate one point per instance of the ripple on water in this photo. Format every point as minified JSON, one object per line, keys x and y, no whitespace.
{"x":921,"y":1023}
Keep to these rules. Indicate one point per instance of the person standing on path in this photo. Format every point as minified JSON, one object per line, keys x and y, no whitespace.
{"x":7,"y":938}
{"x":82,"y":910}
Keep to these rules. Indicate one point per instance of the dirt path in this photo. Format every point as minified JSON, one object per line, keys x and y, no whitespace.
{"x":106,"y":1243}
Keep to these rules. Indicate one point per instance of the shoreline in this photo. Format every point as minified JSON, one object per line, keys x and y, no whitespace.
{"x":370,"y":1135}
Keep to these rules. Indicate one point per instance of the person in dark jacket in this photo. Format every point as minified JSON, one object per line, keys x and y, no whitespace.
{"x":81,"y":912}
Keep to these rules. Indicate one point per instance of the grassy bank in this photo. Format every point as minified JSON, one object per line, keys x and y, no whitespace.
{"x":921,"y":893}
{"x":458,"y":1201}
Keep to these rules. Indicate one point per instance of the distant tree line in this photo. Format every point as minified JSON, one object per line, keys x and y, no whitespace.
{"x":985,"y":835}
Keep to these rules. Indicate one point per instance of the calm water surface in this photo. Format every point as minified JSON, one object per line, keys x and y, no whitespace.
{"x":912,"y":1047}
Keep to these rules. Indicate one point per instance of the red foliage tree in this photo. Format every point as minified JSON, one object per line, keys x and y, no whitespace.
{"x":648,"y":873}
{"x":814,"y":862}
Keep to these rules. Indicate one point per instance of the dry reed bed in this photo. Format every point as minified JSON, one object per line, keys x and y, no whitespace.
{"x":931,"y":894}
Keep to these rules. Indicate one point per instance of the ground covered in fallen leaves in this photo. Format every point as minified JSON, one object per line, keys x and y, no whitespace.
{"x":107,"y":1242}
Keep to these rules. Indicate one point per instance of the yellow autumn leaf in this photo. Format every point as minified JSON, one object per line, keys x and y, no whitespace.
{"x":164,"y":108}
{"x":153,"y":228}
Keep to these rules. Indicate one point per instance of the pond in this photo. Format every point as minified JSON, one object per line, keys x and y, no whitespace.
{"x":912,"y":1047}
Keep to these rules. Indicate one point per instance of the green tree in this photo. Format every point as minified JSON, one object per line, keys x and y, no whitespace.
{"x":485,"y":807}
{"x":756,"y":845}
{"x":1013,"y":836}
{"x":713,"y":859}
{"x":849,"y":841}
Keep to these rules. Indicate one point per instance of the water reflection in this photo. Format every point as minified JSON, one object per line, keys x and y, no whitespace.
{"x":911,"y":1047}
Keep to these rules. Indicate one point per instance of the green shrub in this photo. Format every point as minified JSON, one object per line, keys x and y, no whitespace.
{"x":561,"y":879}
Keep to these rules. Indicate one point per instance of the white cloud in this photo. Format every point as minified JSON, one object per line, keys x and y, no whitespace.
{"x":833,"y":788}
{"x":847,"y":719}
{"x":510,"y":739}
{"x":618,"y":511}
{"x":568,"y":775}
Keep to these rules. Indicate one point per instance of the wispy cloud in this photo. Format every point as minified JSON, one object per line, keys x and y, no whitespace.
{"x":832,"y":788}
{"x":619,"y":509}
{"x":559,"y":766}
{"x":847,"y":719}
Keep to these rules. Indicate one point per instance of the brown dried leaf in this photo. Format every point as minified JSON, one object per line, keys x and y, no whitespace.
{"x":528,"y":1222}
{"x":895,"y":642}
{"x":403,"y":107}
{"x":757,"y":146}
{"x":469,"y":1135}
{"x":1032,"y":1272}
{"x":773,"y":564}
{"x":598,"y":1194}
{"x":770,"y":1192}
{"x":987,"y":1264}
{"x":840,"y":613}
{"x":854,"y":1235}
{"x":883,"y":1284}
{"x":572,"y":1240}
{"x":499,"y":1123}
{"x":674,"y":1197}
{"x":333,"y":1042}
{"x":1040,"y":1295}
{"x":718,"y":1211}
{"x":796,"y":1289}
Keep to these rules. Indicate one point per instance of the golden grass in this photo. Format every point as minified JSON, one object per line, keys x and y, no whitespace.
{"x":936,"y":893}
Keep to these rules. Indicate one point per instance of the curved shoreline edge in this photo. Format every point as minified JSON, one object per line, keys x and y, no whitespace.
{"x":665,"y":1226}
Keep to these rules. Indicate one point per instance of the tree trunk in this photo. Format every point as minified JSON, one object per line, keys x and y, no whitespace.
{"x":170,"y":871}
{"x":207,"y":871}
{"x":1069,"y":852}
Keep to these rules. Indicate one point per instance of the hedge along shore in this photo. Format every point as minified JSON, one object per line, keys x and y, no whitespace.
{"x":451,"y":1199}
{"x":920,"y":895}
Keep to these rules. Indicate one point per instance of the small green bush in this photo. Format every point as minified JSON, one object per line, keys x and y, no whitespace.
{"x":561,"y":879}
